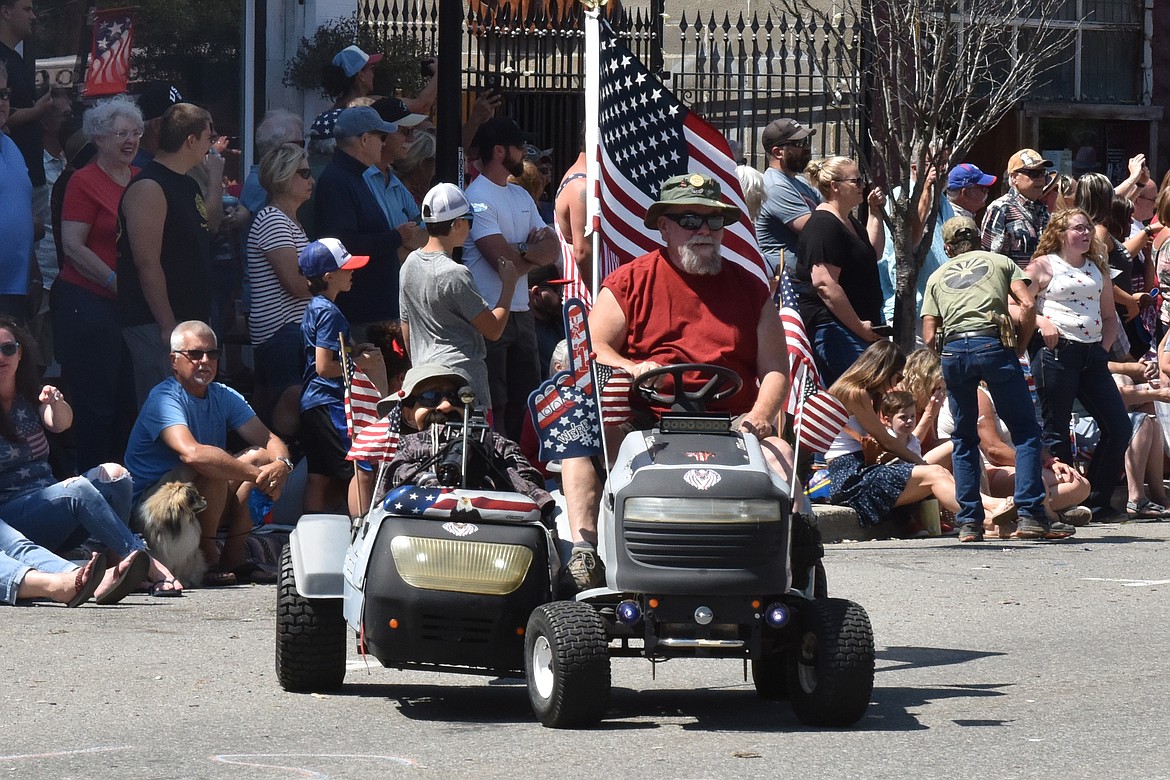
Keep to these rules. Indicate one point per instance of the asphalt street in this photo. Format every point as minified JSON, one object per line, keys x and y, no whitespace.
{"x":1000,"y":660}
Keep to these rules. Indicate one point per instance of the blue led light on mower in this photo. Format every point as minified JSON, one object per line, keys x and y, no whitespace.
{"x":777,"y":615}
{"x":629,"y":612}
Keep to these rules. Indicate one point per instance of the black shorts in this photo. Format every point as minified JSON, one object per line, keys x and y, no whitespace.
{"x":325,"y":442}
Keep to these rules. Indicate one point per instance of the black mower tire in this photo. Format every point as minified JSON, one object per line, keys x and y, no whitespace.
{"x":831,"y":666}
{"x":566,"y":663}
{"x":770,"y":675}
{"x":310,"y":637}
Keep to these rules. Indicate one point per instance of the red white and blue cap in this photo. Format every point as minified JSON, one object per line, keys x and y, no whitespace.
{"x":327,"y":255}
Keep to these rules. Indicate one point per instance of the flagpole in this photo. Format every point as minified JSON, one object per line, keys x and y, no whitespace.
{"x":796,"y":447}
{"x":347,"y":377}
{"x":592,"y":140}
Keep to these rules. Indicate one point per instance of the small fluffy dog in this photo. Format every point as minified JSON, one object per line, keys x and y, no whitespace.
{"x":167,"y":522}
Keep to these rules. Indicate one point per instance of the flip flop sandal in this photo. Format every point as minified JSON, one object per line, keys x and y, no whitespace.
{"x":1145,"y":510}
{"x":1006,"y":514}
{"x":86,"y":586}
{"x":158,"y":590}
{"x":131,"y":578}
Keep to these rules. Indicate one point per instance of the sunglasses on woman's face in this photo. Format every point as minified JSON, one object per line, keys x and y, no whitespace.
{"x":304,"y":173}
{"x":9,"y":348}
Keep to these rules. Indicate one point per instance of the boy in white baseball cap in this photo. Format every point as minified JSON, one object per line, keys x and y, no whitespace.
{"x":444,"y":318}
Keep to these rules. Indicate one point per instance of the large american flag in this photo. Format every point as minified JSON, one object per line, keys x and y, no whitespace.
{"x":640,"y":135}
{"x":109,"y":66}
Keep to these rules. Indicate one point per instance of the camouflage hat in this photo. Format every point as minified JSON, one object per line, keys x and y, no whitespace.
{"x":690,"y":189}
{"x":960,"y":229}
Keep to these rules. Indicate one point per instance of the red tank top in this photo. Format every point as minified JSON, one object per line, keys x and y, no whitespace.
{"x":675,"y":317}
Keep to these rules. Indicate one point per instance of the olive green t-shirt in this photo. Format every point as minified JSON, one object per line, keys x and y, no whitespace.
{"x":969,"y":289}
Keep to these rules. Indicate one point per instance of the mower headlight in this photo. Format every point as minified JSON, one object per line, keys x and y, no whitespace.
{"x":701,"y":510}
{"x":467,"y":567}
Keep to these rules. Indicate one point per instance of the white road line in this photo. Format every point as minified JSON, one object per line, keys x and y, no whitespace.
{"x":1128,"y":583}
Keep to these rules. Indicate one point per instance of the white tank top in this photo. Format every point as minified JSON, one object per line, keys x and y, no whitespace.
{"x":1072,"y":300}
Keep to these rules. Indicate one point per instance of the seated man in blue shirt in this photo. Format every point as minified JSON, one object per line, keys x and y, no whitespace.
{"x":180,"y":435}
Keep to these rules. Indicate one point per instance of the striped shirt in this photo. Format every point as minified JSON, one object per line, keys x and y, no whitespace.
{"x":272,"y":305}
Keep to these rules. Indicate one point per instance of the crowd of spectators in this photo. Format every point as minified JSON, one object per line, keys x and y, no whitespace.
{"x":336,"y":244}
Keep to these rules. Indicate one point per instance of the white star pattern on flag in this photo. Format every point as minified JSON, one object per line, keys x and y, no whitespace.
{"x":109,"y":67}
{"x":646,"y":136}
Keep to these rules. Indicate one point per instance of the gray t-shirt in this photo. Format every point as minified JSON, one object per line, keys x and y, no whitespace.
{"x":786,"y":199}
{"x":438,"y":299}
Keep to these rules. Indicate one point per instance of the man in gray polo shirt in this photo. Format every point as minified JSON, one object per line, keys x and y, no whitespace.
{"x":788,"y":198}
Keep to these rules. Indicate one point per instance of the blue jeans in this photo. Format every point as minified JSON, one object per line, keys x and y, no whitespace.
{"x":95,"y":370}
{"x":18,"y":556}
{"x":835,"y":348}
{"x":965,"y":362}
{"x":63,"y":515}
{"x":1080,"y":371}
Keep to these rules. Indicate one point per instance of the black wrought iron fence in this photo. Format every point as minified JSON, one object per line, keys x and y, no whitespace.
{"x":739,"y":74}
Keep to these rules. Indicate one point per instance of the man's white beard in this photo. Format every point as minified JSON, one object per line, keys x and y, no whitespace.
{"x":694,"y":263}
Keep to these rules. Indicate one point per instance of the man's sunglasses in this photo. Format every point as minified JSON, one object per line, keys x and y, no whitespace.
{"x":5,"y":94}
{"x":432,"y":398}
{"x":195,"y":355}
{"x":9,"y":348}
{"x":692,"y":221}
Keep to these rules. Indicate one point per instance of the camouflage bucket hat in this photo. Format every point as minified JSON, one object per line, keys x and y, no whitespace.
{"x":690,"y":189}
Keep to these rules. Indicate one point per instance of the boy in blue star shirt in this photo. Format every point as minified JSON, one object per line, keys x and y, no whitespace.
{"x":328,"y":267}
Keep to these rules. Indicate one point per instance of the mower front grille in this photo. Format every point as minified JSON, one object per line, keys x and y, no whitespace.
{"x":461,"y":629}
{"x":697,"y":546}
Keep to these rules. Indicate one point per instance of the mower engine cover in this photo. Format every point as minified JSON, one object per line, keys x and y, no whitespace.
{"x":688,"y":513}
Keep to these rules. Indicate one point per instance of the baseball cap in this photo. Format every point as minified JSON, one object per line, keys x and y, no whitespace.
{"x":327,"y":255}
{"x":690,"y":189}
{"x":416,"y":376}
{"x":782,"y":131}
{"x":352,"y":122}
{"x":155,"y":101}
{"x":351,"y":59}
{"x":499,"y":131}
{"x":322,"y":127}
{"x":960,"y":229}
{"x":445,"y":202}
{"x":1025,"y":159}
{"x":394,"y":110}
{"x":967,"y":175}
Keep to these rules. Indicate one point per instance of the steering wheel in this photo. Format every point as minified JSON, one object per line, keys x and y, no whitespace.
{"x":721,"y":383}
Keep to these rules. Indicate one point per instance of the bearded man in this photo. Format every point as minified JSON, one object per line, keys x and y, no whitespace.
{"x":682,"y":304}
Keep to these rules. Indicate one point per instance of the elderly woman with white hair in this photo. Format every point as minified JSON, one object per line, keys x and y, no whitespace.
{"x":87,"y":335}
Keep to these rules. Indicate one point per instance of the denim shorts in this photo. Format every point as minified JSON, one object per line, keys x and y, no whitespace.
{"x":279,"y":359}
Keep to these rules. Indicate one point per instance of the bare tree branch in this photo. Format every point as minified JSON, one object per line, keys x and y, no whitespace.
{"x":941,"y":74}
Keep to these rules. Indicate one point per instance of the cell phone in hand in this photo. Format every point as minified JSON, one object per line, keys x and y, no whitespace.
{"x":885,"y":331}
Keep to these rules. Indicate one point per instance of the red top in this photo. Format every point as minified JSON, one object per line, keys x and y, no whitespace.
{"x":92,"y":197}
{"x":674,"y":317}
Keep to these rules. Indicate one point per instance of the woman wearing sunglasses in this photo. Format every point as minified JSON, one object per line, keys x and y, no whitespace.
{"x":62,"y":515}
{"x":1076,"y":324}
{"x":836,"y":272}
{"x":87,"y":334}
{"x":279,"y":293}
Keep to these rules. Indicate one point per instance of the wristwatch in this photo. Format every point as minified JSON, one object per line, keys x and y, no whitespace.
{"x":287,"y":462}
{"x":522,"y":248}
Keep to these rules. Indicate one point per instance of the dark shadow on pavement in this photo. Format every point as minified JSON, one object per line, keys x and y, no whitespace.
{"x":918,"y":657}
